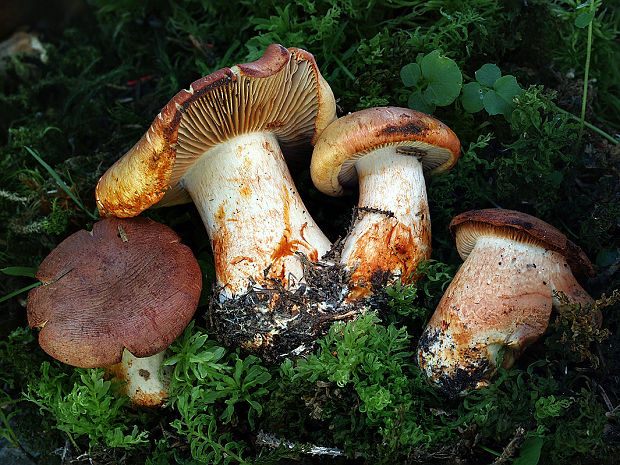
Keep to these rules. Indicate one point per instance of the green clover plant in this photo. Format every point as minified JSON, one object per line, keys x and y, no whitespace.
{"x":491,"y":91}
{"x":436,"y":81}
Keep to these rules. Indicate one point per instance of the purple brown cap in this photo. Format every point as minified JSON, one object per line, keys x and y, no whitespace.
{"x":128,"y":284}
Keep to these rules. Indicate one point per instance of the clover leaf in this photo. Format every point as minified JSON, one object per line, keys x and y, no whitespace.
{"x":436,"y":81}
{"x":500,"y":100}
{"x":488,"y":74}
{"x":410,"y":74}
{"x":472,"y":98}
{"x":417,"y":101}
{"x":443,"y":77}
{"x":491,"y":91}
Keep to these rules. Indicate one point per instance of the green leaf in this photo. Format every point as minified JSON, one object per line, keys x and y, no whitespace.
{"x":501,"y":99}
{"x":472,"y":97}
{"x":507,"y":88}
{"x":444,"y":79}
{"x":27,"y":271}
{"x":418,"y":102}
{"x":555,"y":178}
{"x":584,"y":19}
{"x":488,"y":74}
{"x":494,"y":104}
{"x":410,"y":74}
{"x":530,"y":452}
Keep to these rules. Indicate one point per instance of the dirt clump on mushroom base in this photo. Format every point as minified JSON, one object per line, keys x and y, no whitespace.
{"x":463,"y":377}
{"x":275,"y":322}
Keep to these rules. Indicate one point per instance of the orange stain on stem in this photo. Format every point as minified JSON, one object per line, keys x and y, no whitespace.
{"x":245,"y":192}
{"x":387,"y":247}
{"x":288,"y":245}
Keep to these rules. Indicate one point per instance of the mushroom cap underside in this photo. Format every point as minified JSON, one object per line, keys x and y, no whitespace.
{"x":129,"y":283}
{"x":469,"y":226}
{"x":283,"y":92}
{"x":351,"y":137}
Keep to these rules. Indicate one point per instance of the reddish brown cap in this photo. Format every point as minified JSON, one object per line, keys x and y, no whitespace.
{"x":521,"y":227}
{"x":129,"y":283}
{"x":283,"y":92}
{"x":355,"y":135}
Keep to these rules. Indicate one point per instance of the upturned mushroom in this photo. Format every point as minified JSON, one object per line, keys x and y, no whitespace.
{"x":501,"y":298}
{"x":387,"y":151}
{"x":218,"y":144}
{"x":117,"y":297}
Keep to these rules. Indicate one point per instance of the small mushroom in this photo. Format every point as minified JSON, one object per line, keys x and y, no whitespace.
{"x":117,"y":297}
{"x":388,"y":151}
{"x":501,"y":298}
{"x":218,"y":144}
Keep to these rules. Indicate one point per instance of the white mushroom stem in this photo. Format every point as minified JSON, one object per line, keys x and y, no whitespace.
{"x":500,"y":298}
{"x":392,"y":230}
{"x":253,"y":214}
{"x":145,"y":385}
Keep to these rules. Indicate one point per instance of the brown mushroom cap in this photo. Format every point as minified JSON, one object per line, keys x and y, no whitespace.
{"x":468,"y":226}
{"x":283,"y":92}
{"x":353,"y":136}
{"x":129,"y":283}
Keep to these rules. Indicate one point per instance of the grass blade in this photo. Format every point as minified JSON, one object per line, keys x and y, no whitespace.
{"x":27,"y":271}
{"x":60,"y":182}
{"x":19,"y":291}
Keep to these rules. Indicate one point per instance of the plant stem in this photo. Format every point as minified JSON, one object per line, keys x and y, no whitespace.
{"x":345,"y":70}
{"x":61,"y":183}
{"x":490,"y":451}
{"x":590,"y":126}
{"x":13,"y":439}
{"x":585,"y":78}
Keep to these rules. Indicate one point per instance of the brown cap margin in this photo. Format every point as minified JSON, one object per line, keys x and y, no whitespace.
{"x":541,"y":232}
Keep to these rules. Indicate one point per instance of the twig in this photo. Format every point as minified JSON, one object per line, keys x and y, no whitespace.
{"x":512,"y":447}
{"x":608,"y":403}
{"x":64,"y":451}
{"x":270,"y":440}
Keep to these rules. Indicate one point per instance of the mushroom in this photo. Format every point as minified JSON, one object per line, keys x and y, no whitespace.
{"x":117,"y":297}
{"x":388,"y":151}
{"x":500,"y":300}
{"x":218,"y":144}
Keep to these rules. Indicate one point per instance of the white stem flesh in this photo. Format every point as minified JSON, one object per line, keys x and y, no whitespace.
{"x":393,"y":183}
{"x":144,"y":383}
{"x":253,"y":214}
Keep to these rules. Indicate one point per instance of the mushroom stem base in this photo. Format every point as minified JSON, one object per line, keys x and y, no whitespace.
{"x":275,"y":322}
{"x":144,"y":383}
